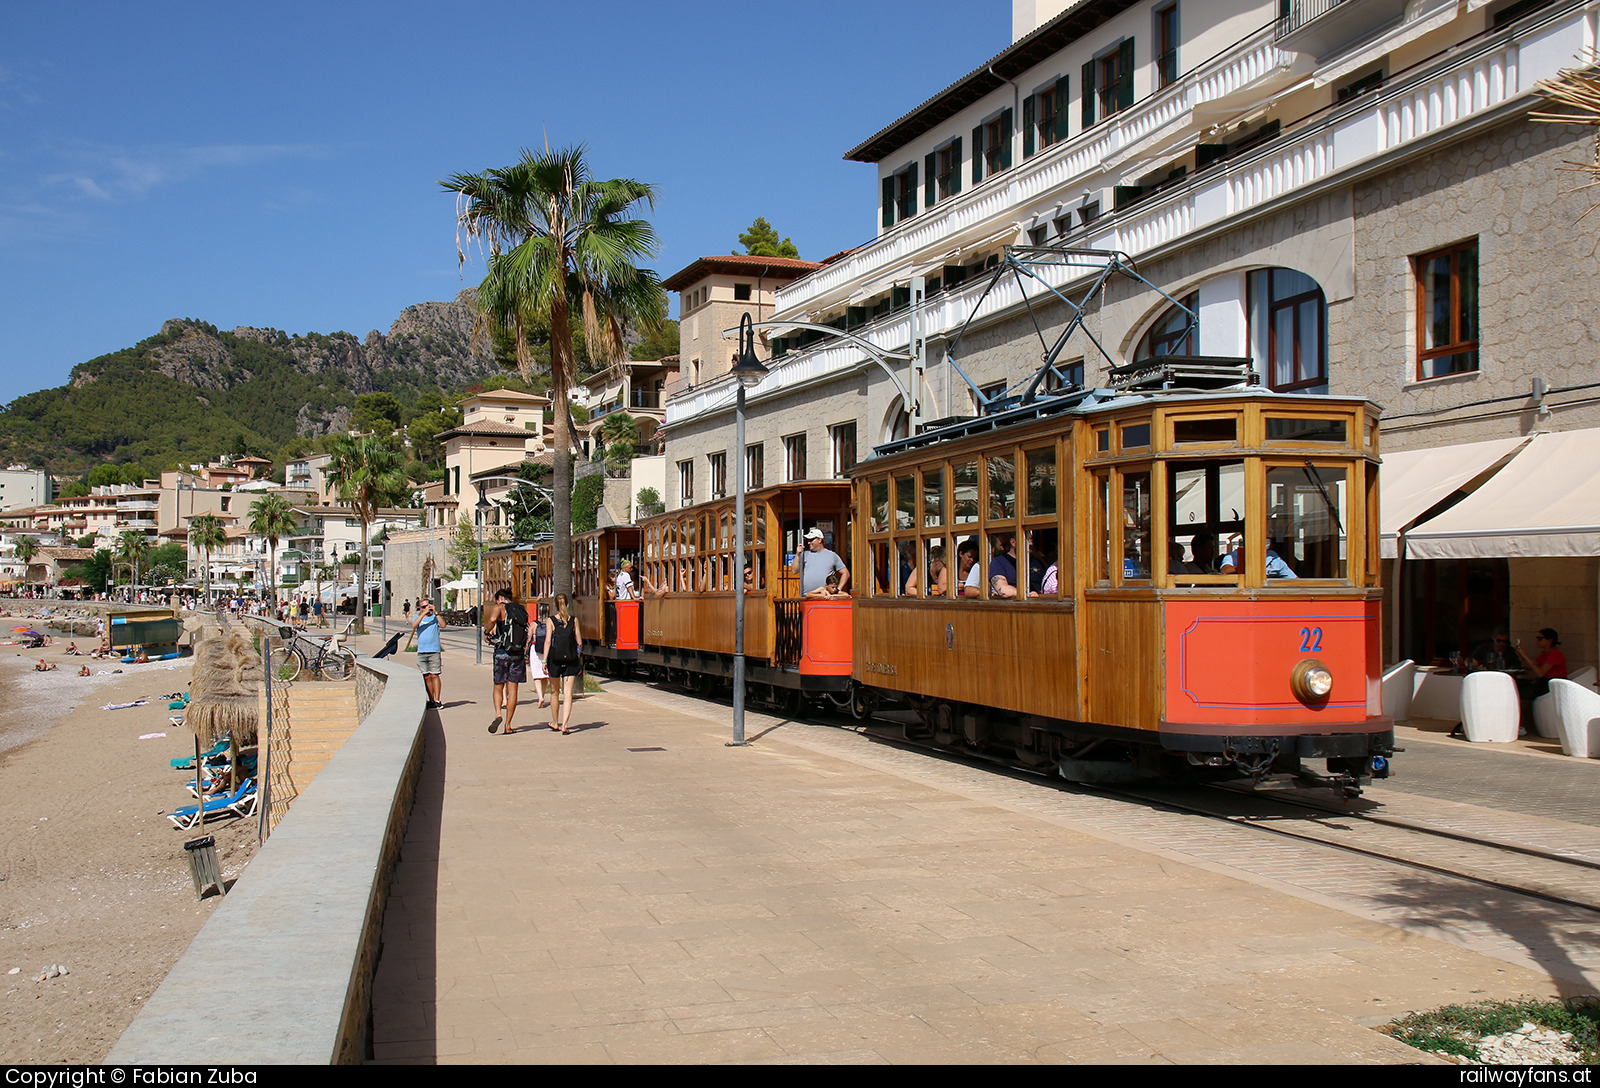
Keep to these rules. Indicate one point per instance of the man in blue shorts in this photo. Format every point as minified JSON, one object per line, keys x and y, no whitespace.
{"x":430,"y":655}
{"x":505,"y":625}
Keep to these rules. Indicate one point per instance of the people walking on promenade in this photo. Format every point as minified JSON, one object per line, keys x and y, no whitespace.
{"x":563,"y":657}
{"x":430,"y":654}
{"x":505,"y":625}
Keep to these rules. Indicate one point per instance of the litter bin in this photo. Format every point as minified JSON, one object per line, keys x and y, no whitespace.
{"x":203,"y":867}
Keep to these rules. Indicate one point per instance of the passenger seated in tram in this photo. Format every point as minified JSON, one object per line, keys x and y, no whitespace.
{"x":908,"y":569}
{"x":1003,"y":565}
{"x":749,"y":578}
{"x":967,"y":568}
{"x":1276,"y":567}
{"x":1050,"y":580}
{"x":937,"y":576}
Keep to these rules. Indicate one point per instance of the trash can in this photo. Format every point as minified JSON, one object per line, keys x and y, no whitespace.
{"x":203,"y":867}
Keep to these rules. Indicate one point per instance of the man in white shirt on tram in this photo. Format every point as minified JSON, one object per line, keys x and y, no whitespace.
{"x":625,"y":581}
{"x":817,"y":562}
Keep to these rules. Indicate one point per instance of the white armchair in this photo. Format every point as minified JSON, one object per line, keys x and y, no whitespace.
{"x":1398,"y":684}
{"x":1490,"y":709}
{"x":1579,"y":711}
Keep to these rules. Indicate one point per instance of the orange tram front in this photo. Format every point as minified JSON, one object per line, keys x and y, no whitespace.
{"x":1131,"y":585}
{"x":610,"y":627}
{"x":795,"y":647}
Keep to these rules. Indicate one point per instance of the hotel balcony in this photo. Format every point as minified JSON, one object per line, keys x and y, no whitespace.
{"x":1475,"y":82}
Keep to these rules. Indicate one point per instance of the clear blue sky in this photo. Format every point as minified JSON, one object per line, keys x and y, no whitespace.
{"x":276,"y":164}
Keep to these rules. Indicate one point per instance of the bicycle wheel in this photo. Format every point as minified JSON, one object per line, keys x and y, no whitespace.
{"x":337,"y":666}
{"x":286,"y":663}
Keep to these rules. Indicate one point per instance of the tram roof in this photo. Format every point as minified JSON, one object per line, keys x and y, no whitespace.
{"x":1084,"y":402}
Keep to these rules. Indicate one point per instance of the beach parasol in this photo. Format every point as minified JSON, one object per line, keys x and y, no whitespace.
{"x":224,"y":688}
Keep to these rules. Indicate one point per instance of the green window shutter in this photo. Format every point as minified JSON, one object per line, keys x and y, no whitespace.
{"x":911,"y":187}
{"x":1061,"y":108}
{"x":930,"y":190}
{"x":977,"y":154}
{"x":1087,"y":90}
{"x":1005,"y":139}
{"x":1125,"y":80}
{"x":955,"y":158}
{"x":1027,"y":126}
{"x":888,"y":201}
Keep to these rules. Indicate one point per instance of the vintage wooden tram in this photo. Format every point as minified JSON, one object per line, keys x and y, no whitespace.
{"x":1116,"y":585}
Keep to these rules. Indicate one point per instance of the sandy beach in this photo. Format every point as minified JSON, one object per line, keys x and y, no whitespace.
{"x":92,"y":876}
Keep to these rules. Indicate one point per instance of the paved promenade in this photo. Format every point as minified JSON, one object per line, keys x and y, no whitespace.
{"x":640,"y":892}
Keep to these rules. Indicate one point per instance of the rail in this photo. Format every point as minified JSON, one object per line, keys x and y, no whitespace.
{"x":788,"y":638}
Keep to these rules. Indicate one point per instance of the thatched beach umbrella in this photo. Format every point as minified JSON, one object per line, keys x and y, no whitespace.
{"x":224,"y":689}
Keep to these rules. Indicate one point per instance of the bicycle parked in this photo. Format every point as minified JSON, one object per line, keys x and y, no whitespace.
{"x":325,"y":657}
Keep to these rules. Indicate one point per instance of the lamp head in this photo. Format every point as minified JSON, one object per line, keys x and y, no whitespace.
{"x":748,"y":369}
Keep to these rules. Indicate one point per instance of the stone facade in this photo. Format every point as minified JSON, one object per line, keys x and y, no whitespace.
{"x":415,"y":562}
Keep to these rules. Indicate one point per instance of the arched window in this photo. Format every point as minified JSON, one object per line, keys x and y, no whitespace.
{"x":897,"y":424}
{"x":1174,"y":333}
{"x":1289,"y":330}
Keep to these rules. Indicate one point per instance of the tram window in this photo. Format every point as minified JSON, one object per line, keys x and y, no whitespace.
{"x":1205,"y":510}
{"x":1134,"y":435}
{"x":1044,"y":572}
{"x":1003,"y":563}
{"x":882,"y":569}
{"x":1102,"y":527}
{"x":905,"y":503}
{"x":934,"y":577}
{"x":1372,"y":435}
{"x":1288,"y":429}
{"x":969,"y":567}
{"x":1306,"y":510}
{"x":1102,"y":439}
{"x":1135,"y":526}
{"x":880,"y":506}
{"x":1041,"y":481}
{"x":905,"y":584}
{"x":932,"y":497}
{"x":1205,"y":430}
{"x":964,"y":500}
{"x":1002,"y":487}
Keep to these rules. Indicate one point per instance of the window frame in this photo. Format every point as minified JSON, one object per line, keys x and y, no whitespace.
{"x":836,"y":433}
{"x":717,"y":474}
{"x":793,"y":443}
{"x":686,"y":482}
{"x":1457,"y":346}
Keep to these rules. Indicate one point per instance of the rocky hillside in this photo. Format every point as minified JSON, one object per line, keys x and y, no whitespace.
{"x":191,"y":388}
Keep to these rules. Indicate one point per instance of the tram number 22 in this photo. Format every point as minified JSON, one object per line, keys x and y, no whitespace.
{"x":1310,"y":640}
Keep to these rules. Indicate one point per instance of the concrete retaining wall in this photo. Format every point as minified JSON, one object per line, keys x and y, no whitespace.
{"x":281,"y":973}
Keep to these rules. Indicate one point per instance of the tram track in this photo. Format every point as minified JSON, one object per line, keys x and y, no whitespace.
{"x":1502,"y":864}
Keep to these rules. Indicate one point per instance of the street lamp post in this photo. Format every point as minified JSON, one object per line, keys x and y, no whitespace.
{"x":482,"y":512}
{"x":749,"y":372}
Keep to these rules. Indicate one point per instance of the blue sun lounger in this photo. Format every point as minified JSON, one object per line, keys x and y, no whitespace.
{"x":186,"y":763}
{"x":241,"y":802}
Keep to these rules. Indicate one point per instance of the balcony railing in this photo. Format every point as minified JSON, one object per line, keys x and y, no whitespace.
{"x":1294,"y":14}
{"x":1478,"y":76}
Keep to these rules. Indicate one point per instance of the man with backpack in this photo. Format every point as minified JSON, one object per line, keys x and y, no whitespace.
{"x":505,"y":625}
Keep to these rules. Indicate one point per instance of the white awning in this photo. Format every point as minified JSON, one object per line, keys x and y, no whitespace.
{"x":1545,"y":502}
{"x":1414,"y":481}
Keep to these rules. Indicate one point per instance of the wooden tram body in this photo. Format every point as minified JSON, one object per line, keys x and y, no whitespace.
{"x":1140,"y":647}
{"x":1137,"y":640}
{"x":791,"y":645}
{"x":610,"y":627}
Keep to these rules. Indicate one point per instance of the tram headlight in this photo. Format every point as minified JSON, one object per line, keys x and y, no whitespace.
{"x":1311,"y":681}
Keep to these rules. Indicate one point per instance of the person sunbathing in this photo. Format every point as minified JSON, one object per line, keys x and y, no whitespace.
{"x":43,"y":667}
{"x":84,"y":671}
{"x":72,"y":650}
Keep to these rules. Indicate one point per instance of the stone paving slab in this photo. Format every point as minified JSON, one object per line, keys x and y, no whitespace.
{"x":817,"y":898}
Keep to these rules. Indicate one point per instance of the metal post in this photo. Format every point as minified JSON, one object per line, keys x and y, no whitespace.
{"x":478,"y":513}
{"x":738,"y":576}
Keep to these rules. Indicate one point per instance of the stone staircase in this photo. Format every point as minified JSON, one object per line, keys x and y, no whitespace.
{"x":321,"y":717}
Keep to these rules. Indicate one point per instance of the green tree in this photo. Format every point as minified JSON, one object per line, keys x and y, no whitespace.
{"x":129,"y":552}
{"x":377,"y":413}
{"x":272,"y":519}
{"x":207,"y":534}
{"x":425,"y":430}
{"x":560,"y":250}
{"x":368,"y":473}
{"x":761,"y":240}
{"x":660,"y":343}
{"x":25,"y":550}
{"x":621,"y":433}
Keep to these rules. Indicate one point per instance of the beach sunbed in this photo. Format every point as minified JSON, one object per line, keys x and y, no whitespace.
{"x":241,"y":802}
{"x":186,"y":763}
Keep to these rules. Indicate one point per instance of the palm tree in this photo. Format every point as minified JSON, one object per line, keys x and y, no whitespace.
{"x":207,"y":534}
{"x":130,"y":550}
{"x":370,"y":475}
{"x":560,"y":250}
{"x":272,"y":519}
